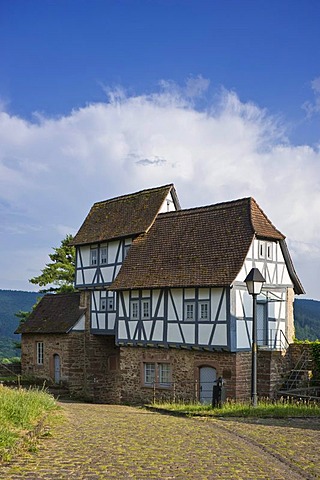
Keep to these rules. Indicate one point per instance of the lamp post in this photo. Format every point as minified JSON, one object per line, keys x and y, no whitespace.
{"x":254,"y":282}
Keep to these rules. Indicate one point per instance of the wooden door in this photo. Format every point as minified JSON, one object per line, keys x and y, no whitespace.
{"x":208,"y":378}
{"x":57,"y":368}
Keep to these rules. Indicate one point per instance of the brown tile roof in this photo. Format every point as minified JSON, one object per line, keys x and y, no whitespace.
{"x":54,"y":314}
{"x":128,"y":215}
{"x":203,"y":246}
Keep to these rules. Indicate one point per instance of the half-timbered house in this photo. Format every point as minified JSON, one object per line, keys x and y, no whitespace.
{"x":167,"y":310}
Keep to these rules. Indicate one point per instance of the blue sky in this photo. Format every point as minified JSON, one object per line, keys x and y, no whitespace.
{"x":100,"y":98}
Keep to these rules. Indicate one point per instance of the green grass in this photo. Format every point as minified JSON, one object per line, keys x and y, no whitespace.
{"x":265,"y":408}
{"x":21,"y":415}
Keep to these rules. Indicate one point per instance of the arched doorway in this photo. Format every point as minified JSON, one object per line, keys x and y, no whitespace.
{"x":207,"y":377}
{"x":57,"y":368}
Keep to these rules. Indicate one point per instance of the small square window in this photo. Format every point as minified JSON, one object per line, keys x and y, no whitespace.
{"x":94,"y":256}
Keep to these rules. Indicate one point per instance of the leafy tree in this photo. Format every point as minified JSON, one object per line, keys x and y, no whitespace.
{"x":58,"y":275}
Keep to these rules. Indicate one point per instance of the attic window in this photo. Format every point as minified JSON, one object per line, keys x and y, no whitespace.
{"x":262,"y":247}
{"x":269,"y":251}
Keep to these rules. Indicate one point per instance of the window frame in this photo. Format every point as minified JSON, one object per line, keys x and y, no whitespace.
{"x":126,"y":249}
{"x":103,"y":304}
{"x":145,"y":301}
{"x":104,"y":255}
{"x":134,"y":303}
{"x":262,"y":249}
{"x":94,"y":256}
{"x":161,"y":372}
{"x":110,"y":304}
{"x":200,"y":304}
{"x":187,"y":304}
{"x":40,"y":353}
{"x":269,"y":251}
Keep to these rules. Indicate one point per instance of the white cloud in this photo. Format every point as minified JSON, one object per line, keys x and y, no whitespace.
{"x":53,"y":170}
{"x":312,"y":108}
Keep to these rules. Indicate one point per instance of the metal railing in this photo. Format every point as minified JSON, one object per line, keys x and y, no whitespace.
{"x":273,"y":339}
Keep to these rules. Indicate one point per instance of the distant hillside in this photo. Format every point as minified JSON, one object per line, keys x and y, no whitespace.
{"x":307,"y":319}
{"x":11,"y":302}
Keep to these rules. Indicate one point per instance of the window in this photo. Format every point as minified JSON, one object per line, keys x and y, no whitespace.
{"x":149,"y":373}
{"x":261,"y":249}
{"x":134,"y":313}
{"x":126,"y":250}
{"x":164,"y":374}
{"x":103,"y":255}
{"x":158,"y":374}
{"x":93,"y":256}
{"x":189,"y":310}
{"x":145,"y":309}
{"x":269,"y":251}
{"x":110,"y":304}
{"x":103,"y":304}
{"x":203,"y":310}
{"x":40,"y":353}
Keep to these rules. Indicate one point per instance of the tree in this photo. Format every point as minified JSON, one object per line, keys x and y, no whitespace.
{"x":58,"y":275}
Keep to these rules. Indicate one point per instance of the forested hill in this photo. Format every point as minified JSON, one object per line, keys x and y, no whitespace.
{"x":11,"y":302}
{"x":307,"y":319}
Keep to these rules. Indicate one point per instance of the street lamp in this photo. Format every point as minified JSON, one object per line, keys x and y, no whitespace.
{"x":254,"y":282}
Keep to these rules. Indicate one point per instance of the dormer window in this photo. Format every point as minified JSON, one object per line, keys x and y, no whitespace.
{"x":94,"y":256}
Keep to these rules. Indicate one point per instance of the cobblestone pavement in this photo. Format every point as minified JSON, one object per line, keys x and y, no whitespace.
{"x":120,"y":442}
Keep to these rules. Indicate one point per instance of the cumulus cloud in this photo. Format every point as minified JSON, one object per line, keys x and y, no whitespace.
{"x":53,"y":169}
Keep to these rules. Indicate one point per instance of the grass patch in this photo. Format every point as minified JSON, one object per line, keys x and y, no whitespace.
{"x":22,"y":413}
{"x":283,"y":408}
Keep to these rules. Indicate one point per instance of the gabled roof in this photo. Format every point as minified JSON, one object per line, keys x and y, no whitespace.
{"x":125,"y":216}
{"x":54,"y":314}
{"x":203,"y":246}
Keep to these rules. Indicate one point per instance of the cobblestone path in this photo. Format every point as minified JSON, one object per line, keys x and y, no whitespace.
{"x":119,"y":442}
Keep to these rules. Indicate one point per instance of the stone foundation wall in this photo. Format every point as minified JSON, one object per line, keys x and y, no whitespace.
{"x":235,"y":368}
{"x":101,"y":363}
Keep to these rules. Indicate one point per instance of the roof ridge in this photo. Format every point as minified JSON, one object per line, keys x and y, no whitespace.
{"x":127,"y":195}
{"x":218,"y":206}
